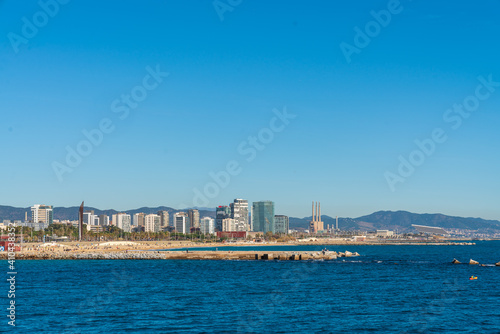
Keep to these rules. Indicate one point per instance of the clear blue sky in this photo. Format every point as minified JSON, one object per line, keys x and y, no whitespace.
{"x":353,"y":119}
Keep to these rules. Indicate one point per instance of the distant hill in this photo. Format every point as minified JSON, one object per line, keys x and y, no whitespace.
{"x":12,"y":213}
{"x":401,"y":221}
{"x":381,"y":220}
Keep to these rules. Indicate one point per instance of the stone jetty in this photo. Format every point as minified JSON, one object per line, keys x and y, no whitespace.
{"x":181,"y":255}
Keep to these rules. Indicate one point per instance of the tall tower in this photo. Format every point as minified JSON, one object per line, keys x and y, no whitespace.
{"x":194,"y":218}
{"x":263,"y":217}
{"x":239,"y":212}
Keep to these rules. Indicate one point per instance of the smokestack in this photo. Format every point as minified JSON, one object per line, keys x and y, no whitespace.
{"x":313,"y":212}
{"x":319,"y":217}
{"x":316,"y":212}
{"x":337,"y":222}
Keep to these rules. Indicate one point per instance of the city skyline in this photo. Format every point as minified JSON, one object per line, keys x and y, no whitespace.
{"x":394,"y":119}
{"x":329,"y":213}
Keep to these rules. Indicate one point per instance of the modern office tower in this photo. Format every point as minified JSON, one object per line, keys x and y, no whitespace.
{"x":316,"y":224}
{"x":139,"y":219}
{"x":103,"y":220}
{"x":164,"y":218}
{"x":229,"y":225}
{"x":181,"y":222}
{"x":42,"y":214}
{"x":263,"y":217}
{"x":207,"y":225}
{"x":221,"y":213}
{"x":239,"y":212}
{"x":122,"y":221}
{"x":194,"y":218}
{"x":281,"y":224}
{"x":152,"y":223}
{"x":96,"y":220}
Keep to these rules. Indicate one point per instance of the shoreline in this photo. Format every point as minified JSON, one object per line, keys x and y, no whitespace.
{"x":176,"y":249}
{"x":199,"y":255}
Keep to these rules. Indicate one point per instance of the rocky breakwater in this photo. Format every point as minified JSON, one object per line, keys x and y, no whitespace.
{"x":178,"y":255}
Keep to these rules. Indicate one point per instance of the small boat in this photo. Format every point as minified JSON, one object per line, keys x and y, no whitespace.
{"x":472,"y":278}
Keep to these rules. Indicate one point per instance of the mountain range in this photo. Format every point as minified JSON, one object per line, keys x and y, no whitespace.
{"x":401,"y":221}
{"x":381,"y":220}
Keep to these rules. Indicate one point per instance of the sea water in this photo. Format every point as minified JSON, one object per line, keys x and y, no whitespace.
{"x":388,"y":289}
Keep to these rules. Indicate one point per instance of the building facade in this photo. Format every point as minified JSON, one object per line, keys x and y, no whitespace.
{"x":42,"y":214}
{"x":207,"y":225}
{"x":103,"y":220}
{"x":88,"y":218}
{"x":139,"y":219}
{"x":122,"y":221}
{"x":263,"y":217}
{"x":164,"y":218}
{"x":181,"y":222}
{"x":152,"y":223}
{"x":221,"y":213}
{"x":281,"y":224}
{"x":229,"y":225}
{"x":194,"y":218}
{"x":239,"y":212}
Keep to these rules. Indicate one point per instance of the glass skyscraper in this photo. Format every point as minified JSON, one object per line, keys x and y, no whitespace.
{"x":281,"y":224}
{"x":263,"y":217}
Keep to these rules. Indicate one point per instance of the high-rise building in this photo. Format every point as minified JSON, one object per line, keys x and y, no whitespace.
{"x":207,"y":225}
{"x":263,"y":217}
{"x":88,"y":218}
{"x":103,"y":220}
{"x":122,"y":221}
{"x":221,"y":213}
{"x":164,"y":218}
{"x":316,"y":224}
{"x":281,"y":224}
{"x":139,"y":219}
{"x":229,"y":225}
{"x":239,"y":212}
{"x":42,"y":214}
{"x":181,"y":222}
{"x":152,"y":223}
{"x":194,"y":218}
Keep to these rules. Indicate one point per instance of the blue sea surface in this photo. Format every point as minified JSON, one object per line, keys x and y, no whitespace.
{"x":389,"y":289}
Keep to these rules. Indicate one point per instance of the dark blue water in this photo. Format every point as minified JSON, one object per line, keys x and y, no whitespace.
{"x":390,"y":289}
